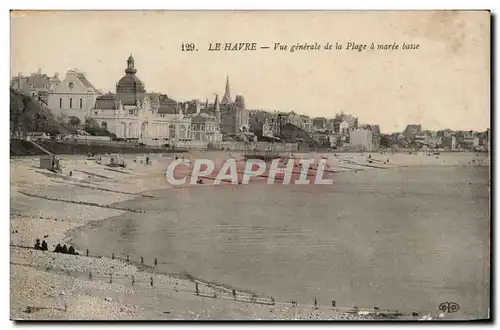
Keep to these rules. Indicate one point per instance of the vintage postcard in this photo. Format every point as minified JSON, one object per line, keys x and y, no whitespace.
{"x":250,"y":165}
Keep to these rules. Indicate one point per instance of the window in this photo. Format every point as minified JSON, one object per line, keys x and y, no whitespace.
{"x":81,"y":103}
{"x":60,"y":103}
{"x":70,"y":103}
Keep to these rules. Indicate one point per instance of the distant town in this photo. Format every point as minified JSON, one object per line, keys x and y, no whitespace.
{"x":72,"y":108}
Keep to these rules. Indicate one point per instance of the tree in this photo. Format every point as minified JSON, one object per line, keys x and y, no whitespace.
{"x":91,"y":123}
{"x":385,"y":141}
{"x":74,"y":121}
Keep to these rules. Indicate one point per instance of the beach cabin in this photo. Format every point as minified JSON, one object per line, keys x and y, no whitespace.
{"x":117,"y":160}
{"x":50,"y":162}
{"x":105,"y":160}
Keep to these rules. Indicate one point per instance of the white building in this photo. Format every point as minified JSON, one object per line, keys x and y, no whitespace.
{"x":344,"y":127}
{"x":131,"y":113}
{"x":205,"y":128}
{"x":362,"y":138}
{"x":73,"y":96}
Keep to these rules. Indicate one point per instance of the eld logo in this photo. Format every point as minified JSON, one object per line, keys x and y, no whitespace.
{"x":449,"y":307}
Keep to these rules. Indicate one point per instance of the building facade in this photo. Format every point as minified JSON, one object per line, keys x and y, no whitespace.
{"x":234,"y":117}
{"x":74,"y":96}
{"x":132,"y":114}
{"x":362,"y":139}
{"x":37,"y":85}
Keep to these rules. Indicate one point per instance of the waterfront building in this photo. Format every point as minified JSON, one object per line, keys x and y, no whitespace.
{"x":74,"y":96}
{"x":234,"y":117}
{"x":320,"y":123}
{"x":133,"y":114}
{"x":37,"y":85}
{"x":362,"y":139}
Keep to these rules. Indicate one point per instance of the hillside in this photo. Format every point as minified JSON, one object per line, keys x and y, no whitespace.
{"x":27,"y":115}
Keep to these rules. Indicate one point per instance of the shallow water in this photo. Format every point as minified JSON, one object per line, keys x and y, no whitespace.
{"x":404,"y":238}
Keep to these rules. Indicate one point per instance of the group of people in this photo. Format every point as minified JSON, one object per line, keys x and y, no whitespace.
{"x":65,"y":250}
{"x":59,"y":249}
{"x":42,"y":247}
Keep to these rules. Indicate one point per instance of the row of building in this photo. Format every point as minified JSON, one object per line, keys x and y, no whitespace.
{"x":343,"y":131}
{"x":414,"y":136}
{"x":133,"y":113}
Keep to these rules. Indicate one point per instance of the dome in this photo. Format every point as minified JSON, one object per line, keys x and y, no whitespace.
{"x":129,"y":88}
{"x":130,"y":83}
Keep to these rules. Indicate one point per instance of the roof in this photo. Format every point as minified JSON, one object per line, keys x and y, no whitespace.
{"x":202,"y":117}
{"x":85,"y":81}
{"x":36,"y":79}
{"x":167,"y":105}
{"x":107,"y":101}
{"x":130,"y":83}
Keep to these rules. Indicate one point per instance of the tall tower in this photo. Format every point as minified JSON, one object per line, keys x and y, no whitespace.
{"x":226,"y":99}
{"x":217,"y":108}
{"x":129,"y":89}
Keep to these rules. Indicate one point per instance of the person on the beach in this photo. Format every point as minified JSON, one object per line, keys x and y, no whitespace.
{"x":37,"y":244}
{"x":71,"y":250}
{"x":44,"y":246}
{"x":64,"y":249}
{"x":58,"y":248}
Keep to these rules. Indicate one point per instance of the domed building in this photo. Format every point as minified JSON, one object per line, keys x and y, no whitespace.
{"x":132,"y":114}
{"x":152,"y":118}
{"x":130,"y":90}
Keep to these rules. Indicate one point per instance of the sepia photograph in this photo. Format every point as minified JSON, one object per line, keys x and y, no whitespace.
{"x":250,"y":165}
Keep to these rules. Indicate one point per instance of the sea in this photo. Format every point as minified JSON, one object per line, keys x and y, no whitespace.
{"x":407,"y":238}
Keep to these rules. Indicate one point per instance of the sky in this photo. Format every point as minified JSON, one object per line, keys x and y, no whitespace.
{"x":445,"y":83}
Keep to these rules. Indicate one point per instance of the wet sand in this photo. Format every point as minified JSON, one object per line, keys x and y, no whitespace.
{"x":61,"y":282}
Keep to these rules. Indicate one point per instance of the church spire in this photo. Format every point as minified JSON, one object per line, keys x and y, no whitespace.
{"x":227,"y":95}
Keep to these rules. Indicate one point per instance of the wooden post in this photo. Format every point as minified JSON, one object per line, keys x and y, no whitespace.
{"x":90,"y":276}
{"x":315,"y":304}
{"x":113,"y":256}
{"x":272,"y":299}
{"x":142,"y":260}
{"x":197,"y":291}
{"x":87,"y":252}
{"x":110,"y":278}
{"x":151,"y":280}
{"x":156,"y":262}
{"x":133,"y":280}
{"x":234,"y":294}
{"x":128,"y":258}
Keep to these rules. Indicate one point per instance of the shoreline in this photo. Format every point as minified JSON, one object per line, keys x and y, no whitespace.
{"x":118,"y":266}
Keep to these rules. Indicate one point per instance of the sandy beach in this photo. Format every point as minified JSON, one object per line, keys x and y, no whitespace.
{"x":53,"y":286}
